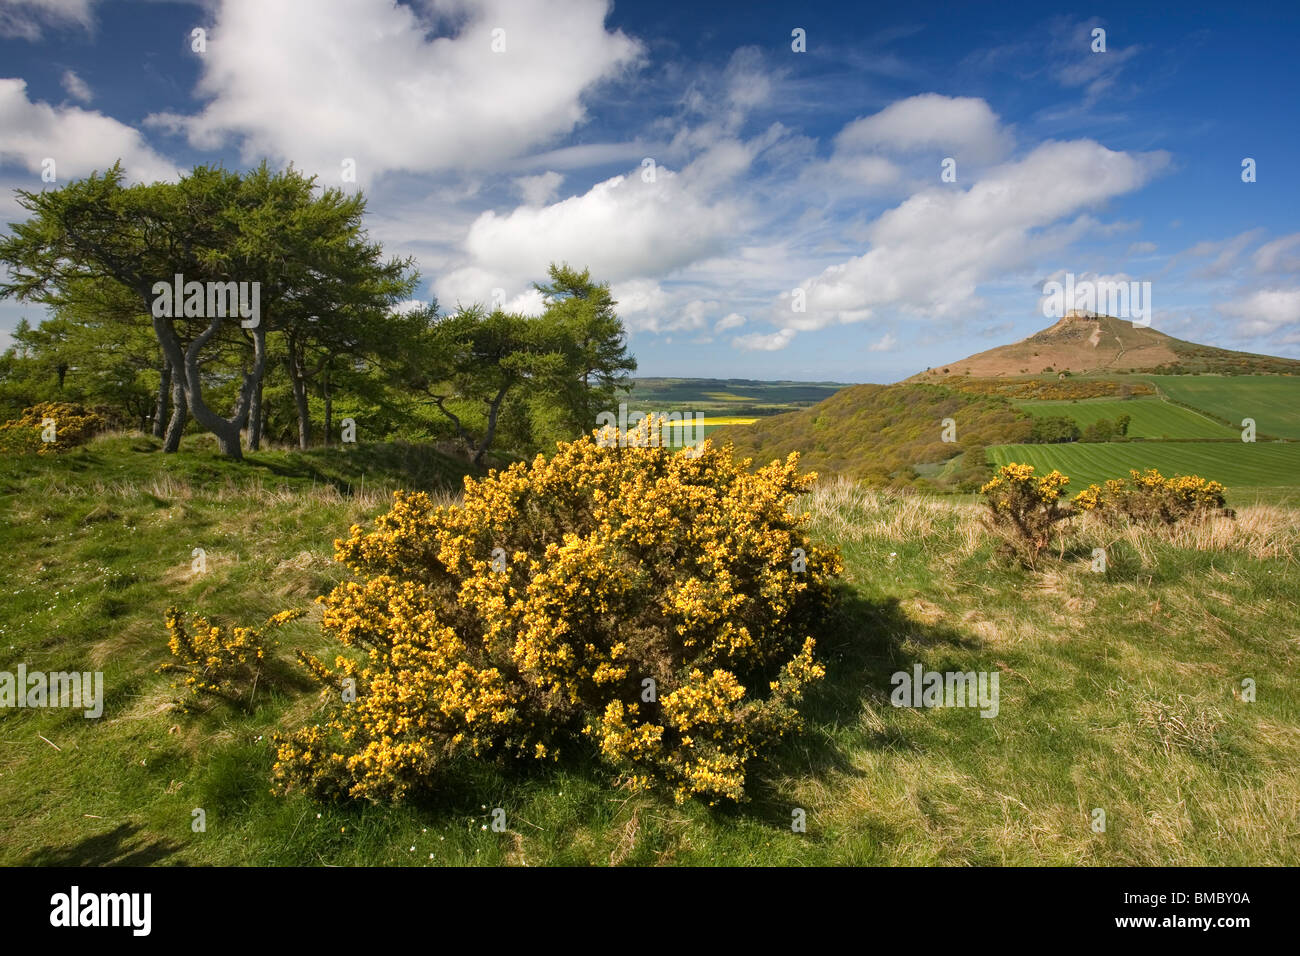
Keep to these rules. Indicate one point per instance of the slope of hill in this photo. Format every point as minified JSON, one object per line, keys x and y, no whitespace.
{"x":887,"y":433}
{"x":1096,"y":344}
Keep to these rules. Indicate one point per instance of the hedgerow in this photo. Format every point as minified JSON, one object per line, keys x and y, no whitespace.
{"x":659,"y":603}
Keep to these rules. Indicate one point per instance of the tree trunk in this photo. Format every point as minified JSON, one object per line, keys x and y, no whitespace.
{"x":160,"y":407}
{"x":329,"y":407}
{"x":176,"y":426}
{"x":493,"y":408}
{"x":300,"y":401}
{"x":255,"y":419}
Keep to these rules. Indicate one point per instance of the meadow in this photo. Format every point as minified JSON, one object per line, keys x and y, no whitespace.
{"x":1119,"y":691}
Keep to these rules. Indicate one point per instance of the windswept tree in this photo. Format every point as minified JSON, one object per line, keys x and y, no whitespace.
{"x":232,"y":234}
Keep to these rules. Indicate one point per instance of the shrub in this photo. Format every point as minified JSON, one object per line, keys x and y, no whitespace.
{"x":70,"y":425}
{"x":1150,"y":498}
{"x":1026,"y":506}
{"x":216,"y":662}
{"x":659,"y":603}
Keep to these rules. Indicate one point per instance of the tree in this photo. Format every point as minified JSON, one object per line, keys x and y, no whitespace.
{"x":596,"y":362}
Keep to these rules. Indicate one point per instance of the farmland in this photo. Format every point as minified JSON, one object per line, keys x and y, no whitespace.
{"x":1243,"y":467}
{"x":1272,"y":401}
{"x":1149,"y":417}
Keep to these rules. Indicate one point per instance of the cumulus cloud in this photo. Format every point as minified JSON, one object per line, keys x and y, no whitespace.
{"x":732,"y":320}
{"x":962,"y":126}
{"x":886,"y":343}
{"x":79,"y":141}
{"x":622,"y":228}
{"x":362,"y":79}
{"x":929,"y":254}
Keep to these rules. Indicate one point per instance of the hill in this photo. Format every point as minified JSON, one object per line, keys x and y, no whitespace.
{"x":1089,"y":344}
{"x":888,"y":434}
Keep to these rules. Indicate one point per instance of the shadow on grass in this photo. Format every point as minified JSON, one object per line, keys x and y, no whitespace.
{"x":861,"y":650}
{"x":121,"y":846}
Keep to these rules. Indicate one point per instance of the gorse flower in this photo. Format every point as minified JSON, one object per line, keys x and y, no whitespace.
{"x":647,"y":600}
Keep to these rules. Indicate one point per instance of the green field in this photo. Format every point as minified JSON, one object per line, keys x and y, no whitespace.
{"x":1150,"y":417}
{"x":1273,"y":401}
{"x":1239,"y":465}
{"x":716,"y":396}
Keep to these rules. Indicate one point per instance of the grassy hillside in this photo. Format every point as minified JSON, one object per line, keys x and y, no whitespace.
{"x":1242,"y":466}
{"x":1149,"y":418}
{"x":1272,"y":401}
{"x":1117,"y":690}
{"x":883,"y":433}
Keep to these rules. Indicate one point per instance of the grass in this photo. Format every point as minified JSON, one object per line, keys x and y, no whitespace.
{"x":1273,"y":401}
{"x":1246,"y":468}
{"x":1149,"y":417}
{"x":1118,"y":690}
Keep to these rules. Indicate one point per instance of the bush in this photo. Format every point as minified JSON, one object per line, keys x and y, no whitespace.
{"x":68,"y":423}
{"x":1026,"y":506}
{"x":220,"y":663}
{"x":1150,"y":498}
{"x":659,"y":603}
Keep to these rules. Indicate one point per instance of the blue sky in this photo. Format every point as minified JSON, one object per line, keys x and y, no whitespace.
{"x":492,"y":137}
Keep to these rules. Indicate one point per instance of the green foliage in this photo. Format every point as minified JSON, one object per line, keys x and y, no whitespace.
{"x":885,"y":434}
{"x":1047,"y":431}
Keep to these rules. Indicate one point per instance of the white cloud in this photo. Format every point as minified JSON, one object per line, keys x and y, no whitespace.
{"x":1265,"y":311}
{"x":1280,"y":255}
{"x":964,"y":127}
{"x":1142,"y":248}
{"x":929,"y":254}
{"x":540,"y":189}
{"x":759,"y":342}
{"x":731,"y":321}
{"x":79,"y":141}
{"x":76,"y":87}
{"x":28,"y":18}
{"x":622,"y":228}
{"x":360,"y":79}
{"x":886,"y":343}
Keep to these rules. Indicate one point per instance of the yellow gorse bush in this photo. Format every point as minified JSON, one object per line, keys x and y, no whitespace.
{"x":660,"y":602}
{"x":216,"y":661}
{"x":1026,"y":505}
{"x":1150,"y":497}
{"x":68,"y":423}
